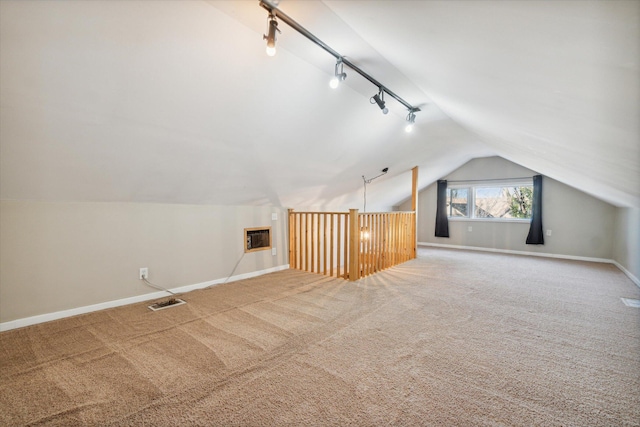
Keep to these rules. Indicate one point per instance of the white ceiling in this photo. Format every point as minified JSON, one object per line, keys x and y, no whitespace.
{"x":176,"y":102}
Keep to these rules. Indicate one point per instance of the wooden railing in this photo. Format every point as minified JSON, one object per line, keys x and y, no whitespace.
{"x":350,"y":245}
{"x":387,"y":239}
{"x":318,"y":242}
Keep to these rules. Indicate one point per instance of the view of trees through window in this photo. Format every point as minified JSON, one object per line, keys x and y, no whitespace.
{"x":498,"y":202}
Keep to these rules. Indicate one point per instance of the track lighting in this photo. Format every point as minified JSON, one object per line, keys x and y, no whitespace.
{"x":270,"y":37}
{"x":339,"y":74}
{"x":271,"y":6}
{"x":378,"y":98}
{"x":411,"y":121}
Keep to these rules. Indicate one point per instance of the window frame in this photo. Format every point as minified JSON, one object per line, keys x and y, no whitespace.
{"x":472,"y":186}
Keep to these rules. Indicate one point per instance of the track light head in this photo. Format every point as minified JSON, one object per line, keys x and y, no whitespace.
{"x":378,"y":98}
{"x":339,"y":74}
{"x":411,"y":121}
{"x":270,"y":37}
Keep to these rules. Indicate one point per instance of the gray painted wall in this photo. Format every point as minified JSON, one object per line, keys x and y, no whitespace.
{"x":581,"y":225}
{"x":59,"y":256}
{"x":626,"y":242}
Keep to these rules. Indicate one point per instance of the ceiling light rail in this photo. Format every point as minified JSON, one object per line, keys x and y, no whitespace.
{"x":274,"y":13}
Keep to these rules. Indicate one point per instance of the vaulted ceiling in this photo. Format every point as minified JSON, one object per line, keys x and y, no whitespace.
{"x":176,"y":101}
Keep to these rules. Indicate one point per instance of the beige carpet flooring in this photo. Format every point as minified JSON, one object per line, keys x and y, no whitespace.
{"x":452,"y":338}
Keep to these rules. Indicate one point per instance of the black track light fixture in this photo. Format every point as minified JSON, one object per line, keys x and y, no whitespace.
{"x":339,"y":74}
{"x":378,"y":98}
{"x":411,"y":121}
{"x":271,"y":6}
{"x":270,"y":37}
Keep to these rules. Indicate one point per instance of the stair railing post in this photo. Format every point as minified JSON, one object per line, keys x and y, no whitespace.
{"x":354,"y":245}
{"x":292,"y":238}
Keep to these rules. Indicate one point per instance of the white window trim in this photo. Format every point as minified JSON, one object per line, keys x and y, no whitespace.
{"x":471,"y":187}
{"x":466,"y":219}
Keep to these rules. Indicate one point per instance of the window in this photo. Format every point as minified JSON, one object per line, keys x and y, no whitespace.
{"x":504,"y":201}
{"x":458,"y":202}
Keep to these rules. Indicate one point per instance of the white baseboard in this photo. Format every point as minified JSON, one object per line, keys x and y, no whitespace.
{"x":630,"y":275}
{"x":508,"y":251}
{"x":633,"y":278}
{"x":27,"y":321}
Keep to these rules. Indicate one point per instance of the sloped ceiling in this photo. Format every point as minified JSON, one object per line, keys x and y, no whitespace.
{"x":176,"y":102}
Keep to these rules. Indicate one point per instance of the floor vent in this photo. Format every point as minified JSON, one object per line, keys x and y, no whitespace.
{"x":173,"y":302}
{"x":631,"y":302}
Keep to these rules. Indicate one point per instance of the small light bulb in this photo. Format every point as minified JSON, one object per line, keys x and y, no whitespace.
{"x":385,"y":110}
{"x":334,"y":83}
{"x":271,"y":50}
{"x":408,"y":128}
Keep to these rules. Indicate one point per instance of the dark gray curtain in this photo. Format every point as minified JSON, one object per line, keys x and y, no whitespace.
{"x":536,"y":235}
{"x":442,"y":223}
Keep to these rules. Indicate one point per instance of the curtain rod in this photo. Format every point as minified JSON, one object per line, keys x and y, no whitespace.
{"x":299,"y":28}
{"x":486,"y":180}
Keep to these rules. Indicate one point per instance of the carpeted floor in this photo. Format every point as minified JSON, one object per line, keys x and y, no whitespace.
{"x":453,"y":338}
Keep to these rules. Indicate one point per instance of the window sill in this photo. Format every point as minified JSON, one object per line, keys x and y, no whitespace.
{"x":505,"y":220}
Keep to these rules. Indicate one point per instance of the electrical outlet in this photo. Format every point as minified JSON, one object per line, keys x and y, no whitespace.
{"x":470,"y":228}
{"x":274,"y":251}
{"x":548,"y":232}
{"x":144,"y":273}
{"x":274,"y":216}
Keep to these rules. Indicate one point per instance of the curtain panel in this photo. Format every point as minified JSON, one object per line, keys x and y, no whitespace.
{"x":442,"y":222}
{"x":536,"y":234}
